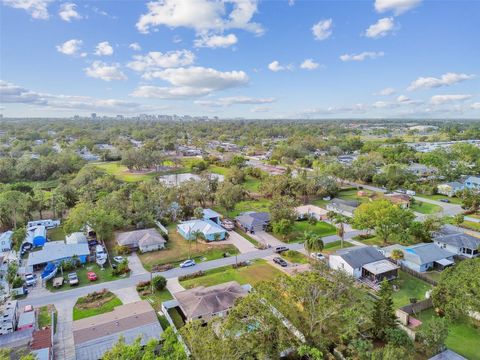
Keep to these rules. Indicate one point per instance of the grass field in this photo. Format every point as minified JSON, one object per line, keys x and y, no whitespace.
{"x":79,"y":313}
{"x":320,"y":228}
{"x":295,"y":257}
{"x":336,"y":245}
{"x":471,"y":225}
{"x":56,"y":234}
{"x":463,"y":335}
{"x":251,"y":184}
{"x":45,"y":318}
{"x":410,"y":287}
{"x":157,"y":298}
{"x":220,"y":170}
{"x":121,"y":172}
{"x":258,"y":271}
{"x":425,"y":208}
{"x":247,"y":205}
{"x":102,"y":276}
{"x":345,"y":194}
{"x":438,"y":197}
{"x":177,"y":251}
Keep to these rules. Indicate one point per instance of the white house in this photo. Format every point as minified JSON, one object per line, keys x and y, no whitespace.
{"x":6,"y":241}
{"x":459,"y":243}
{"x":76,"y":238}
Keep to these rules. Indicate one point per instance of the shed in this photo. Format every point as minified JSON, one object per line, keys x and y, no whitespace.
{"x":76,"y":238}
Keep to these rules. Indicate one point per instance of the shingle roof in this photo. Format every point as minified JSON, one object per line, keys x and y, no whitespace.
{"x":201,"y":301}
{"x":448,"y":355}
{"x":425,"y":253}
{"x":42,"y":339}
{"x":359,"y":256}
{"x":460,"y":240}
{"x":253,"y":219}
{"x":206,"y":227}
{"x":137,"y":237}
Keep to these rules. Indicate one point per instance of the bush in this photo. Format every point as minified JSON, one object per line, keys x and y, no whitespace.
{"x":143,"y":285}
{"x":121,"y":269}
{"x":159,"y":282}
{"x":312,"y":220}
{"x":191,"y":276}
{"x":69,"y":265}
{"x":17,"y":282}
{"x":240,"y":264}
{"x":122,"y":250}
{"x":161,"y":268}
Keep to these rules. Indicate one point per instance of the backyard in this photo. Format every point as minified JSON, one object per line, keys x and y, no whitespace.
{"x":45,"y":317}
{"x":410,"y":287}
{"x":56,"y":234}
{"x":320,"y":228}
{"x":425,"y":208}
{"x":463,"y":335}
{"x":95,"y":304}
{"x":246,"y":205}
{"x":258,"y":271}
{"x":177,"y":250}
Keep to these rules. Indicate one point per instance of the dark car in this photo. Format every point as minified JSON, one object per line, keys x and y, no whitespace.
{"x":280,"y":249}
{"x":280,"y":261}
{"x":445,"y":200}
{"x":92,"y":243}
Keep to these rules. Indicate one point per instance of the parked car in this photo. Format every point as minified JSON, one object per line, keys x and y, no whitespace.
{"x":91,"y":276}
{"x":73,"y":279}
{"x":118,"y":259}
{"x":280,"y":261}
{"x":445,"y":200}
{"x":228,"y":224}
{"x":187,"y":263}
{"x":411,"y":192}
{"x":317,"y":256}
{"x":30,"y":279}
{"x":92,"y":243}
{"x":280,"y":249}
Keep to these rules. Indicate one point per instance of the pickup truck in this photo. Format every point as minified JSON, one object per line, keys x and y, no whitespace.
{"x":73,"y":279}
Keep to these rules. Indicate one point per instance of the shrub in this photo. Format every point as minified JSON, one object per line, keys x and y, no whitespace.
{"x":159,"y":282}
{"x":17,"y":282}
{"x":122,"y":250}
{"x":312,"y":220}
{"x":191,"y":276}
{"x":142,"y":285}
{"x":160,"y":268}
{"x":240,"y":264}
{"x":121,"y":269}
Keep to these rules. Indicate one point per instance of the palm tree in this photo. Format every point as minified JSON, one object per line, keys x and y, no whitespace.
{"x":397,"y":255}
{"x":312,"y":242}
{"x":339,"y":220}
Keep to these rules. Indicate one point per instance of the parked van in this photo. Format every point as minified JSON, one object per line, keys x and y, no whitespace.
{"x":411,"y":193}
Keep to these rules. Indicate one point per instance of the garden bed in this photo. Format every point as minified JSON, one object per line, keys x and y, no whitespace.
{"x":95,"y":303}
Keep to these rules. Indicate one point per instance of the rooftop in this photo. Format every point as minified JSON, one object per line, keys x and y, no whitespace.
{"x":359,"y":256}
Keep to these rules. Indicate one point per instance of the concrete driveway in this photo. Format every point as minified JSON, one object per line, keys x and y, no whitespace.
{"x":64,"y":346}
{"x":135,"y":265}
{"x":266,"y":238}
{"x":242,"y":244}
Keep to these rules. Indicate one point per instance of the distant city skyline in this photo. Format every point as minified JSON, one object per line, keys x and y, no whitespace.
{"x":246,"y":59}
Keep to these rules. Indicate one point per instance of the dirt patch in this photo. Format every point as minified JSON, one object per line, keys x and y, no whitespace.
{"x":95,"y":300}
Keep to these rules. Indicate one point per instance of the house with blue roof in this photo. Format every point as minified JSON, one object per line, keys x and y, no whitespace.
{"x":211,"y":230}
{"x":473,"y":183}
{"x":209,"y":214}
{"x":422,"y":257}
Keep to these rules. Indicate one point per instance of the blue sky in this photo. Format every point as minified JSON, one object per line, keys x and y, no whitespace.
{"x":241,"y":58}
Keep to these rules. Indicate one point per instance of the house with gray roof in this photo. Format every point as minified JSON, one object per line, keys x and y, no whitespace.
{"x":422,"y":257}
{"x":145,"y":240}
{"x":6,"y":241}
{"x":210,"y":230}
{"x":458,"y":243}
{"x":253,"y":221}
{"x":363,"y":262}
{"x":473,"y":183}
{"x":203,"y":303}
{"x":343,"y":207}
{"x":55,"y":251}
{"x":450,"y":188}
{"x":448,"y":355}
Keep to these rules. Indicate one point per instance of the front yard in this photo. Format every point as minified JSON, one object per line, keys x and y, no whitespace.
{"x":45,"y":317}
{"x":425,"y":208}
{"x":471,"y":225}
{"x":410,"y":287}
{"x":177,"y":250}
{"x":463,"y":335}
{"x":95,"y":304}
{"x":336,"y":245}
{"x":252,"y":274}
{"x":295,"y":257}
{"x":320,"y":228}
{"x":246,"y":205}
{"x":438,"y":197}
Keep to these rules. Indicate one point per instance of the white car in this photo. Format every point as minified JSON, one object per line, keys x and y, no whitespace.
{"x":30,"y":279}
{"x":317,"y":256}
{"x":187,"y":263}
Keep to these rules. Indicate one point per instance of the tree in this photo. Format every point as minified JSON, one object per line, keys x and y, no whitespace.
{"x":458,"y":219}
{"x":18,"y":237}
{"x":383,"y":315}
{"x":340,"y":221}
{"x":228,"y":195}
{"x":159,"y":282}
{"x":282,"y":227}
{"x":198,"y":213}
{"x":432,"y":336}
{"x":14,"y":207}
{"x":397,"y":255}
{"x":470,"y":199}
{"x":312,"y":242}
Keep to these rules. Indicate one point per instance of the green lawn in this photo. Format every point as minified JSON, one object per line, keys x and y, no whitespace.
{"x":121,"y":172}
{"x":102,"y":276}
{"x":176,"y":318}
{"x":438,"y":197}
{"x":157,"y":298}
{"x":295,"y":257}
{"x":220,"y":170}
{"x":471,"y":225}
{"x":463,"y":336}
{"x":251,"y":184}
{"x":320,"y":228}
{"x":425,"y":208}
{"x":56,"y":234}
{"x":45,"y":318}
{"x":79,"y":313}
{"x":177,"y":250}
{"x":258,"y":271}
{"x":337,"y":245}
{"x":345,"y":194}
{"x":410,"y":287}
{"x":243,"y":206}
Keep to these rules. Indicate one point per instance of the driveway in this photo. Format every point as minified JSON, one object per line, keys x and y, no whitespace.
{"x":135,"y":265}
{"x":266,"y":238}
{"x":64,"y":346}
{"x":173,"y":285}
{"x":242,"y":244}
{"x":127,"y":295}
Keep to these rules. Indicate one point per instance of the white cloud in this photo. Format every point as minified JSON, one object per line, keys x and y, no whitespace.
{"x":475,"y":106}
{"x":101,"y":70}
{"x":362,"y":56}
{"x":275,"y":66}
{"x":381,"y":28}
{"x":11,"y":93}
{"x":309,"y":64}
{"x":135,"y":46}
{"x":216,"y":41}
{"x":70,"y":47}
{"x":203,"y":16}
{"x":103,"y":49}
{"x":386,"y":92}
{"x":442,"y":99}
{"x":432,"y":82}
{"x":68,"y":11}
{"x":38,"y":9}
{"x":191,"y":81}
{"x":234,"y":100}
{"x":260,"y":109}
{"x":397,"y":6}
{"x":403,"y":98}
{"x":156,"y":60}
{"x":323,"y":29}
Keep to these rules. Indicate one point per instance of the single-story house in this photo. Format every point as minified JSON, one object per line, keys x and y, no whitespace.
{"x":42,"y":344}
{"x":57,"y":251}
{"x":422,"y":170}
{"x":253,"y":221}
{"x":209,"y":214}
{"x":203,"y":303}
{"x":26,"y":320}
{"x":95,"y":335}
{"x":473,"y":183}
{"x":211,"y":231}
{"x":145,"y":240}
{"x":401,"y":200}
{"x":450,"y":188}
{"x":6,"y":241}
{"x":76,"y":238}
{"x":448,"y":355}
{"x":343,"y":207}
{"x":305,"y":211}
{"x":363,"y":262}
{"x":459,"y":243}
{"x":422,"y":257}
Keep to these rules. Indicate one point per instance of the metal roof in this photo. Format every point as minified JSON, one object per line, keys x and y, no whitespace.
{"x":380,"y":267}
{"x":56,"y":250}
